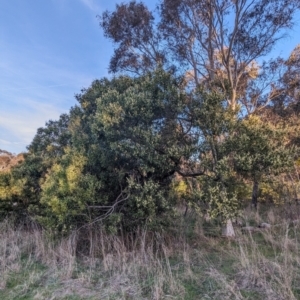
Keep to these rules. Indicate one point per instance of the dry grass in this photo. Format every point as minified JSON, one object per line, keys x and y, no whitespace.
{"x":184,"y":264}
{"x":131,"y":267}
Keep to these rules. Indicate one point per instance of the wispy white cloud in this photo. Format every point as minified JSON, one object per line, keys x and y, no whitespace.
{"x":32,"y":87}
{"x":4,"y":142}
{"x":18,"y":126}
{"x":33,"y":91}
{"x":91,"y":4}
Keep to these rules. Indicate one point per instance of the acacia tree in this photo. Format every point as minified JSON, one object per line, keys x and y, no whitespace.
{"x":20,"y":188}
{"x":126,"y":142}
{"x":259,"y":149}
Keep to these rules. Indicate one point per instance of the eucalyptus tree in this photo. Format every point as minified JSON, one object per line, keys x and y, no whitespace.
{"x":287,"y":87}
{"x":216,"y":42}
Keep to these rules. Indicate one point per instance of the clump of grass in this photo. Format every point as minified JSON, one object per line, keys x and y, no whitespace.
{"x":181,"y":263}
{"x":269,"y":263}
{"x":111,"y":267}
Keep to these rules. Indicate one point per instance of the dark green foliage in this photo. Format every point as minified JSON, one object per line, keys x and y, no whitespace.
{"x":214,"y":122}
{"x":111,"y":160}
{"x":259,"y":149}
{"x":50,"y":141}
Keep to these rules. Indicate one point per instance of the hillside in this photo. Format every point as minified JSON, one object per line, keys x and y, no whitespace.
{"x":8,"y":160}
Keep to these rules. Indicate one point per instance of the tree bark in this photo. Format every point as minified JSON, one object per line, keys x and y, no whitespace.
{"x":255,"y":194}
{"x":227,"y":230}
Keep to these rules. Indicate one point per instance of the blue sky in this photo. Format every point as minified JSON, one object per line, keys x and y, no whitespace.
{"x":49,"y":51}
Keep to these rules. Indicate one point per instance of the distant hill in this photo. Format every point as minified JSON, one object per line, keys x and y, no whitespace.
{"x":8,"y":160}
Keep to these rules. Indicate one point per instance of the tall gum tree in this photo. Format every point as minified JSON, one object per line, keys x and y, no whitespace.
{"x":210,"y":40}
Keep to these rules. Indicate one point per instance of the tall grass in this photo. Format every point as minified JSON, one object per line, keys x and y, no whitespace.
{"x":182,"y":263}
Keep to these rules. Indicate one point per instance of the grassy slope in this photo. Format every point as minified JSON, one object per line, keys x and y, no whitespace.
{"x":185,"y":263}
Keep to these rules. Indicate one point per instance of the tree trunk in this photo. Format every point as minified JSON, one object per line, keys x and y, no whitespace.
{"x":227,"y":230}
{"x":233,"y":99}
{"x":255,"y":194}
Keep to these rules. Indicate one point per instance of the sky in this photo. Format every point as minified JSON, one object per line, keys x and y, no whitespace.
{"x":49,"y":51}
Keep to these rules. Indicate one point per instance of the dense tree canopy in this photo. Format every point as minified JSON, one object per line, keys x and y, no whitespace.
{"x":199,"y":109}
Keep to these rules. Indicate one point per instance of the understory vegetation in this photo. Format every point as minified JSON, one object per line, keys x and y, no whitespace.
{"x":189,"y":261}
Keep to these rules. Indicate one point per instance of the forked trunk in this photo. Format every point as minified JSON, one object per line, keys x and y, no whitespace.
{"x":227,"y":229}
